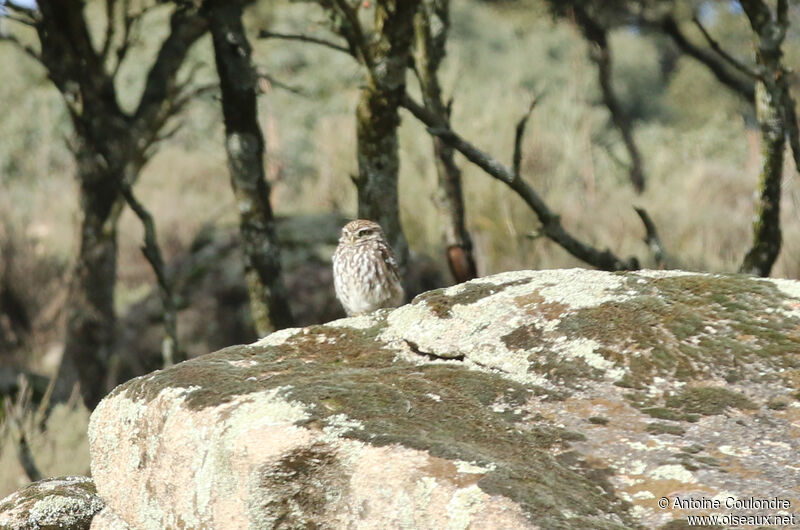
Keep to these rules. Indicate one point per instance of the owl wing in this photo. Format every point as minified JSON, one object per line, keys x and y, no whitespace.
{"x":388,"y":257}
{"x":392,"y":272}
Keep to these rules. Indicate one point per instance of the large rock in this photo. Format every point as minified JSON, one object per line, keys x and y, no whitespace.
{"x":67,"y":503}
{"x":572,"y":399}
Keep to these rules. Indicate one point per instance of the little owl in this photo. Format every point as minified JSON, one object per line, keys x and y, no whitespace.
{"x":365,"y":270}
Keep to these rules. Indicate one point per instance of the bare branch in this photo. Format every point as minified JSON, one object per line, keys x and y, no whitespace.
{"x":267,"y":81}
{"x":130,"y":26}
{"x":354,"y":34}
{"x":187,"y":26}
{"x":110,"y":28}
{"x":187,"y":95}
{"x":743,"y":87}
{"x":551,"y":223}
{"x":600,"y":53}
{"x":747,"y":70}
{"x":166,"y":135}
{"x":264,"y":34}
{"x":519,"y":134}
{"x":651,"y":238}
{"x":30,"y":52}
{"x":18,"y":19}
{"x":170,"y":351}
{"x":15,"y":420}
{"x":22,"y":10}
{"x":11,"y":4}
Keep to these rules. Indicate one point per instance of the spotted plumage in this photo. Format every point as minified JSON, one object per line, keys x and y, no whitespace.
{"x":365,"y":272}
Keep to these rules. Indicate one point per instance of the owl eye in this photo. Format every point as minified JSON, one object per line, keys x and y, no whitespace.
{"x":364,"y":232}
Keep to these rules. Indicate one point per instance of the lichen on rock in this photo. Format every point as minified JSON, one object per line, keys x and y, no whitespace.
{"x":552,"y":399}
{"x":54,"y":503}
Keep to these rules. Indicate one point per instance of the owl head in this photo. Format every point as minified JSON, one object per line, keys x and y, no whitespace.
{"x":359,"y":231}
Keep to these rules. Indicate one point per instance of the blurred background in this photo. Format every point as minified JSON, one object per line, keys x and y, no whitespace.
{"x":698,"y":141}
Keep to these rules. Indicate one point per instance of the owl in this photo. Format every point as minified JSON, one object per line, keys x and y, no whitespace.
{"x":365,"y":272}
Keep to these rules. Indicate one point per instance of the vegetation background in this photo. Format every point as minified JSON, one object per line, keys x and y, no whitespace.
{"x":699,"y":143}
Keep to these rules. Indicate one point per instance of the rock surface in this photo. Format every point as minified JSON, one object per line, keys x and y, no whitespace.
{"x":553,"y":399}
{"x":66,"y":503}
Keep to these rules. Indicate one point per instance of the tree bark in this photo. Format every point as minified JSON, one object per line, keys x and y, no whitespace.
{"x":431,"y":26}
{"x":377,"y":119}
{"x":600,"y":53}
{"x":91,"y":318}
{"x":773,"y":106}
{"x":110,"y":147}
{"x":244,"y":144}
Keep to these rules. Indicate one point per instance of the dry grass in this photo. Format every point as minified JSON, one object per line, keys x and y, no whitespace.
{"x":57,"y":441}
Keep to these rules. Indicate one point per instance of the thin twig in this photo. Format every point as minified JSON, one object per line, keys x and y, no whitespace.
{"x":30,"y":52}
{"x":187,"y":95}
{"x":551,"y":223}
{"x":357,"y":39}
{"x":15,"y":417}
{"x":266,"y":81}
{"x":110,"y":28}
{"x":744,"y":87}
{"x":264,"y":34}
{"x":20,"y":20}
{"x":651,"y":239}
{"x":519,"y":134}
{"x":170,"y":350}
{"x":167,"y":135}
{"x":748,"y":71}
{"x":31,"y":14}
{"x":130,"y":26}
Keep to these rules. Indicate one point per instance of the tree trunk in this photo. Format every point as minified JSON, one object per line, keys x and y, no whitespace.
{"x":90,"y":310}
{"x":431,"y":27}
{"x":772,"y":101}
{"x":110,"y":145}
{"x":244,"y":144}
{"x":378,"y":119}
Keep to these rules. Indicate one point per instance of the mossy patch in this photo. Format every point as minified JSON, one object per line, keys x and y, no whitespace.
{"x":441,"y":304}
{"x":664,"y":413}
{"x":563,"y":370}
{"x":778,"y":404}
{"x":393,"y":408}
{"x":691,"y":403}
{"x":665,"y":428}
{"x":708,"y":401}
{"x":693,"y":461}
{"x":691,"y":327}
{"x":297,"y":489}
{"x":471,"y":417}
{"x":232,"y":372}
